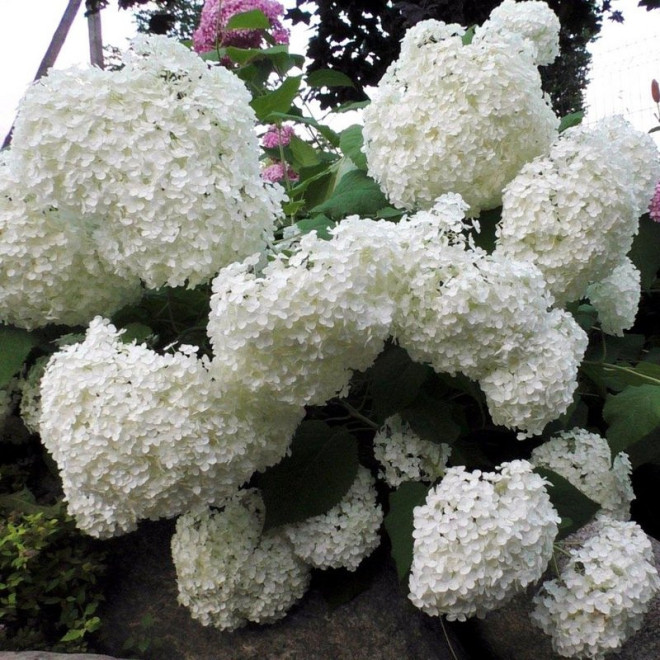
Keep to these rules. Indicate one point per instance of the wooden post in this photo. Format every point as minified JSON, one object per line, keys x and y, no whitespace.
{"x":54,"y":48}
{"x":95,"y":40}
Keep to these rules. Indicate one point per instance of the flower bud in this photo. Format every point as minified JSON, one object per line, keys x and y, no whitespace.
{"x":655,"y":90}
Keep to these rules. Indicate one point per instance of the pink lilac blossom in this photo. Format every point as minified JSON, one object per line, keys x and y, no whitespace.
{"x":211,"y":31}
{"x":277,"y":136}
{"x":654,"y":206}
{"x":276,"y":172}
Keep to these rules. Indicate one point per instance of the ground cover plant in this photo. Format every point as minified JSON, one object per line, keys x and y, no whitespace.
{"x":433,"y":330}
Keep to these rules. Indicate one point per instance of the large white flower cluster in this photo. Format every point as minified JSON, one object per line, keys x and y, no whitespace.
{"x":479,"y":539}
{"x":50,"y":268}
{"x":616,"y":298}
{"x":404,"y":456}
{"x":346,"y":534}
{"x":140,"y":435}
{"x":297,"y":329}
{"x":537,"y":381}
{"x":602,"y":594}
{"x":574,"y":211}
{"x":159,"y":162}
{"x":449,"y":117}
{"x":229,"y":572}
{"x":584,"y":459}
{"x":533,"y":23}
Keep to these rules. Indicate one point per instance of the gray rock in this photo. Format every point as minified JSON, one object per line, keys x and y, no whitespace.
{"x":44,"y":655}
{"x":142,"y":619}
{"x":508,"y":633}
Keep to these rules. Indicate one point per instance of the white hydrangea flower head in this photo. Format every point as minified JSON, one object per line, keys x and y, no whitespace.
{"x":574,"y":212}
{"x":50,"y":268}
{"x":638,"y":156}
{"x":140,"y":435}
{"x":229,"y":572}
{"x":404,"y":456}
{"x":602,"y":593}
{"x":584,"y":459}
{"x":299,"y":328}
{"x":536,"y":384}
{"x":346,"y":534}
{"x":479,"y":539}
{"x":616,"y":298}
{"x":532,"y":21}
{"x":162,"y":156}
{"x":441,"y":113}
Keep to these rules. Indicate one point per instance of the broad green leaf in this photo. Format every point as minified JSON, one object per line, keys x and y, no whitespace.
{"x":72,"y":635}
{"x":399,"y":523}
{"x":574,"y":507}
{"x":432,"y":419}
{"x":395,"y":381}
{"x":279,"y":100}
{"x":389,"y":212}
{"x":631,"y":415}
{"x":570,"y":120}
{"x":254,"y":19}
{"x":321,"y":224}
{"x":24,"y":502}
{"x":645,"y":450}
{"x":645,"y":252}
{"x":138,"y":332}
{"x":350,"y":143}
{"x":356,"y":193}
{"x":15,"y":346}
{"x":328,"y":78}
{"x":291,"y":208}
{"x":303,"y":154}
{"x":321,"y":468}
{"x":619,"y":376}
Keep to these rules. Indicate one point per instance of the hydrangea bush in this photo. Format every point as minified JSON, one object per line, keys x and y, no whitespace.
{"x":422,"y":325}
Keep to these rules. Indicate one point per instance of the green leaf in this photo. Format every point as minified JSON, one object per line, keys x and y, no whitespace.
{"x":356,"y":193}
{"x":396,"y":381}
{"x":138,"y":332}
{"x":321,"y":468}
{"x":645,"y":450}
{"x":619,"y":376}
{"x":329,"y":78}
{"x":73,"y":635}
{"x":432,"y":419}
{"x":645,"y":252}
{"x":631,"y":415}
{"x":399,"y":523}
{"x":352,"y":105}
{"x":15,"y":346}
{"x":321,"y":224}
{"x":574,"y":507}
{"x":468,"y":36}
{"x":488,"y":221}
{"x":279,"y":100}
{"x":248,"y":20}
{"x":389,"y":212}
{"x":303,"y":154}
{"x":570,"y":120}
{"x":350,"y":143}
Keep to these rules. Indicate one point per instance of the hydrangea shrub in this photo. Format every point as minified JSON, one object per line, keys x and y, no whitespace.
{"x":415,"y":288}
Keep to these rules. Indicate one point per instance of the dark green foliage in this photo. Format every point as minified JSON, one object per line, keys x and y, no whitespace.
{"x":314,"y":478}
{"x":575,"y":508}
{"x":49,"y":590}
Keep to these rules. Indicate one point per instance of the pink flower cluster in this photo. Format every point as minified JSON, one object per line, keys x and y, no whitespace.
{"x":276,"y":173}
{"x":211,"y":31}
{"x":654,"y":206}
{"x":277,"y":136}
